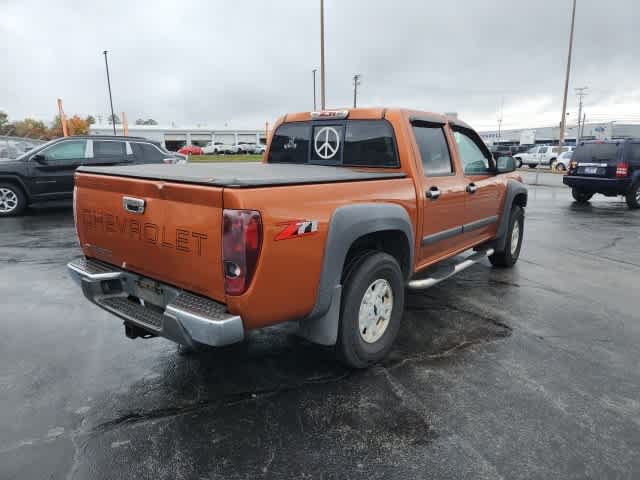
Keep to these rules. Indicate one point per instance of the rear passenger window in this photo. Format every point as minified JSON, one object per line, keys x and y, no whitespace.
{"x":146,"y":153}
{"x":434,"y":150}
{"x":369,"y":144}
{"x":110,"y":149}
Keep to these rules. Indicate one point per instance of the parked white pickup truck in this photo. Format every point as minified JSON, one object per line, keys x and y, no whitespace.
{"x":540,"y":155}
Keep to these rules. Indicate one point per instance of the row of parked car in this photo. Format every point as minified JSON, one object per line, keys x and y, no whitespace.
{"x":216,"y":148}
{"x":548,"y":155}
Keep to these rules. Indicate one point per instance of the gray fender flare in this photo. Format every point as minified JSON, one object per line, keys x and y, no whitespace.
{"x":514,"y":188}
{"x":347,"y":224}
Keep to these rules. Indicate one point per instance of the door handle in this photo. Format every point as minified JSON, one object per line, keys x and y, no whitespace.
{"x":471,"y":188}
{"x":133,"y":205}
{"x":433,"y":193}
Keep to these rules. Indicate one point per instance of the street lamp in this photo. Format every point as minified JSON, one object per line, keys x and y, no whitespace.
{"x":113,"y":117}
{"x":322,"y":95}
{"x":314,"y":89}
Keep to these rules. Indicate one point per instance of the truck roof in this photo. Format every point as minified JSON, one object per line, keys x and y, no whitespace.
{"x":242,"y":175}
{"x":372,"y":113}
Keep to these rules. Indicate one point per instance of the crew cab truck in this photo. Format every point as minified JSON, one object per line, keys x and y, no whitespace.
{"x":347,"y":210}
{"x":610,"y":168}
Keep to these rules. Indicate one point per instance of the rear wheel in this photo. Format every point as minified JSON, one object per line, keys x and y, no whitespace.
{"x":633,"y":196}
{"x":560,"y":167}
{"x":581,"y":196}
{"x":371,"y":310}
{"x":509,"y":256}
{"x":12,"y":200}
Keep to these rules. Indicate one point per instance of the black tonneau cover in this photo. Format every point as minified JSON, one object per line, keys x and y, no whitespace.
{"x":242,"y":175}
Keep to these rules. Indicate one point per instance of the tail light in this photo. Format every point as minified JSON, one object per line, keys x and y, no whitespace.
{"x":622,"y":170}
{"x":241,"y":242}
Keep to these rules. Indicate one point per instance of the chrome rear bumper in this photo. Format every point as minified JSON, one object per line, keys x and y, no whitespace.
{"x":156,"y":307}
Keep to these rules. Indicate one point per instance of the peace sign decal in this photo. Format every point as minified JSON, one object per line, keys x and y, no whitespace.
{"x":327,"y":142}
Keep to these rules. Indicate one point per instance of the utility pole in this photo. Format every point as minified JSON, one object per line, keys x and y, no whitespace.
{"x":584,"y":119}
{"x":322,"y":73}
{"x":580,"y":92}
{"x":113,"y":117}
{"x":356,"y":82}
{"x":500,"y":120}
{"x":563,"y":120}
{"x":314,"y":89}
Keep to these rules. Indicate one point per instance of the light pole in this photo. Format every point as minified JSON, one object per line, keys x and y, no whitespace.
{"x":113,"y":117}
{"x":356,"y":82}
{"x":322,"y":92}
{"x":314,"y":89}
{"x":563,"y":120}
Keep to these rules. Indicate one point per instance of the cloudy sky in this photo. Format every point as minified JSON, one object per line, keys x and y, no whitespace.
{"x":242,"y":62}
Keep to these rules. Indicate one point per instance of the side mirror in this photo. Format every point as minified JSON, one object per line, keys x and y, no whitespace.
{"x":506,"y":164}
{"x":41,"y":159}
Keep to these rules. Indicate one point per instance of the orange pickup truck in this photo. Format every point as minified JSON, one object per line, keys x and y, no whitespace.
{"x":347,"y":210}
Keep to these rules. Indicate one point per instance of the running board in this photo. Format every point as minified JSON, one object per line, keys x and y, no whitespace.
{"x":443,"y":273}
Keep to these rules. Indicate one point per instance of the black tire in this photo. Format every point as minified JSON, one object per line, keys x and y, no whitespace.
{"x":508,"y":257}
{"x":633,"y":196}
{"x":13,"y":201}
{"x":351,"y":347}
{"x":518,"y":163}
{"x":581,"y":196}
{"x":560,"y":167}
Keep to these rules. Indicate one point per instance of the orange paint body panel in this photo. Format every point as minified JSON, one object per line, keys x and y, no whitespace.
{"x":285,"y":284}
{"x":177,"y":240}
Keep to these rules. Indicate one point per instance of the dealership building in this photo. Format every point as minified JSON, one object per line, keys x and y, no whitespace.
{"x":551,"y":135}
{"x":174,"y":138}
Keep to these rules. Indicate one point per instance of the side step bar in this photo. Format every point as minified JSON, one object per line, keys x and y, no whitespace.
{"x":441,"y":274}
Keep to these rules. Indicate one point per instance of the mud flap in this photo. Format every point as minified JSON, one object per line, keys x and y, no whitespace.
{"x":323,"y":329}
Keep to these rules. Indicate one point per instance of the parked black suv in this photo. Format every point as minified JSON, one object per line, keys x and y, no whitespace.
{"x":608,"y":167}
{"x":45,"y":174}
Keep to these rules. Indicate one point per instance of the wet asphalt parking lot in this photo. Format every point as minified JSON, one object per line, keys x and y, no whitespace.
{"x":526,"y":373}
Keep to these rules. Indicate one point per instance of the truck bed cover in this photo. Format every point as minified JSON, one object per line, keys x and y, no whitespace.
{"x":242,"y":175}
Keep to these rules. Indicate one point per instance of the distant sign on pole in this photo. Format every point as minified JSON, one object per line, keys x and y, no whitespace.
{"x":528,"y":137}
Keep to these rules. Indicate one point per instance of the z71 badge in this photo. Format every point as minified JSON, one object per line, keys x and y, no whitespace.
{"x":297,"y":228}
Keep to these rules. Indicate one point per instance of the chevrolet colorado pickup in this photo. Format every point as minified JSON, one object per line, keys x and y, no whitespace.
{"x":347,"y":210}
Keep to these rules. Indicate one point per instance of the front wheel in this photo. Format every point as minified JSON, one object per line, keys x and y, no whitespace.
{"x":508,"y":257}
{"x":581,"y":196}
{"x":371,"y":310}
{"x":633,"y":196}
{"x":12,"y":200}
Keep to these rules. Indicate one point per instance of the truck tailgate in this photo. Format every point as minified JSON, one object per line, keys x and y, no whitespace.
{"x":175,"y":238}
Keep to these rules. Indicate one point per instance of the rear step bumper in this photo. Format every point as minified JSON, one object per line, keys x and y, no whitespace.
{"x":433,"y":277}
{"x":158,"y":308}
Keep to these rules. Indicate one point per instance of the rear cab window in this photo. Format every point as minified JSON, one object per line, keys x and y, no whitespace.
{"x":353,"y":143}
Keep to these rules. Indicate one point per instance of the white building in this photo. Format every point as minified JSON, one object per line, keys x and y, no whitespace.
{"x":551,"y":135}
{"x":174,"y":138}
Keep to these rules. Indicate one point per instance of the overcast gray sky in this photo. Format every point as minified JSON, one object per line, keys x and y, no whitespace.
{"x":242,"y":62}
